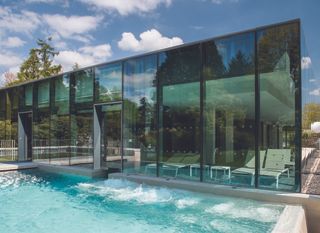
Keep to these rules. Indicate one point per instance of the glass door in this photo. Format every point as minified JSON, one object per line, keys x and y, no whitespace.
{"x":110,"y":123}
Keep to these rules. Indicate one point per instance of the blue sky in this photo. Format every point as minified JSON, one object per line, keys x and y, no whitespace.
{"x":95,"y":31}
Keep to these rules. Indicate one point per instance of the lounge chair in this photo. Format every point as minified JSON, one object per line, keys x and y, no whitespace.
{"x":176,"y":162}
{"x":205,"y":166}
{"x":275,"y":164}
{"x":249,"y":168}
{"x":286,"y":156}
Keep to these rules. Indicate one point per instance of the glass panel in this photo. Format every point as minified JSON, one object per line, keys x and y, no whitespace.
{"x":28,"y":94}
{"x":111,"y":136}
{"x":60,"y":140}
{"x":8,"y":147}
{"x":81,"y":120}
{"x":140,"y":115}
{"x":81,"y":137}
{"x":310,"y":158}
{"x":108,"y":82}
{"x":43,"y":94}
{"x":41,"y":123}
{"x":278,"y":63}
{"x":179,"y":75}
{"x":2,"y":119}
{"x":83,"y":86}
{"x":229,"y":110}
{"x":12,"y":104}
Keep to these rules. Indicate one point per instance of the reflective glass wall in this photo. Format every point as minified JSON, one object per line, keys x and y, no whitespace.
{"x":139,"y":115}
{"x":225,"y":110}
{"x":60,"y":137}
{"x":179,"y":112}
{"x":41,"y":121}
{"x":310,"y":157}
{"x":81,"y":121}
{"x":278,"y":52}
{"x":229,"y":110}
{"x":108,"y":97}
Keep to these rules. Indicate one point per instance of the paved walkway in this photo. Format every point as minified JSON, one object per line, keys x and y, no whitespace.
{"x":11,"y":166}
{"x":311,"y":175}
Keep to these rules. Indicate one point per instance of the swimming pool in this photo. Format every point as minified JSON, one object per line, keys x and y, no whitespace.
{"x":34,"y":201}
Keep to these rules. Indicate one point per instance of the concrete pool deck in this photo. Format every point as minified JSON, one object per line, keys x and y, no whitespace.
{"x":310,"y":203}
{"x":12,"y":166}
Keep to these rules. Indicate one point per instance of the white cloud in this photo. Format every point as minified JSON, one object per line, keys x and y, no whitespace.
{"x":315,"y":92}
{"x":85,"y":56}
{"x":12,"y":42}
{"x":312,"y":80}
{"x":149,"y":40}
{"x":73,"y":27}
{"x":24,"y":22}
{"x":305,"y":63}
{"x":40,"y":1}
{"x":8,"y":59}
{"x":99,"y":51}
{"x":126,"y":7}
{"x":63,"y":3}
{"x":218,"y":2}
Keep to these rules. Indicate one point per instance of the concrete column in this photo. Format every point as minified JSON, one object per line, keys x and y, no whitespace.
{"x":96,"y":140}
{"x":21,"y":140}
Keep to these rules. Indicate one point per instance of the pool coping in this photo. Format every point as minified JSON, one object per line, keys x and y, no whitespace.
{"x":310,"y":203}
{"x":13,"y":166}
{"x":291,"y":220}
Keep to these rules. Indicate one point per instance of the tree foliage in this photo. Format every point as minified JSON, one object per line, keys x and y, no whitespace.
{"x":39,"y":64}
{"x":9,"y":78}
{"x":310,"y":114}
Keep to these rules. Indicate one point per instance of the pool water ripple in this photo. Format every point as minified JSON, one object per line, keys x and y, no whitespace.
{"x":37,"y":202}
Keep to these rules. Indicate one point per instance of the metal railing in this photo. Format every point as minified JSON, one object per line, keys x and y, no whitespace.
{"x":8,"y":150}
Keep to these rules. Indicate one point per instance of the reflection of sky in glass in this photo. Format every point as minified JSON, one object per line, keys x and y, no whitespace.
{"x":28,"y":95}
{"x":84,"y":86}
{"x":43,"y":93}
{"x":109,"y":79}
{"x":62,"y":88}
{"x":139,"y":79}
{"x":229,"y":47}
{"x":310,"y":84}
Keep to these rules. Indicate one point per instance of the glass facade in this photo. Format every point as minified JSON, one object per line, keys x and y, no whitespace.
{"x":179,"y":111}
{"x":139,"y":116}
{"x":81,"y":116}
{"x":229,"y":110}
{"x":279,"y":79}
{"x":60,"y":139}
{"x":225,"y":110}
{"x":310,"y":114}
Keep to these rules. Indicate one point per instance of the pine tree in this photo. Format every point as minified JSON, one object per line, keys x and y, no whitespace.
{"x":39,"y":64}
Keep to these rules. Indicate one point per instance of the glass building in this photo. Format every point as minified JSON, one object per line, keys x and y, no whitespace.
{"x":225,"y":110}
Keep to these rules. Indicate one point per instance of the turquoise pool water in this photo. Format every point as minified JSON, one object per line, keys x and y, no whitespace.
{"x":34,"y":202}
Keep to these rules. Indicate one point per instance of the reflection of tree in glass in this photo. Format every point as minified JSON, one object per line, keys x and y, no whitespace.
{"x":274,"y":43}
{"x":310,"y":114}
{"x":214,"y":65}
{"x":240,"y":65}
{"x":180,"y":65}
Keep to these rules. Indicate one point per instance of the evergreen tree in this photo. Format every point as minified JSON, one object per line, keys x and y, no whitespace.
{"x":39,"y":64}
{"x":30,"y":68}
